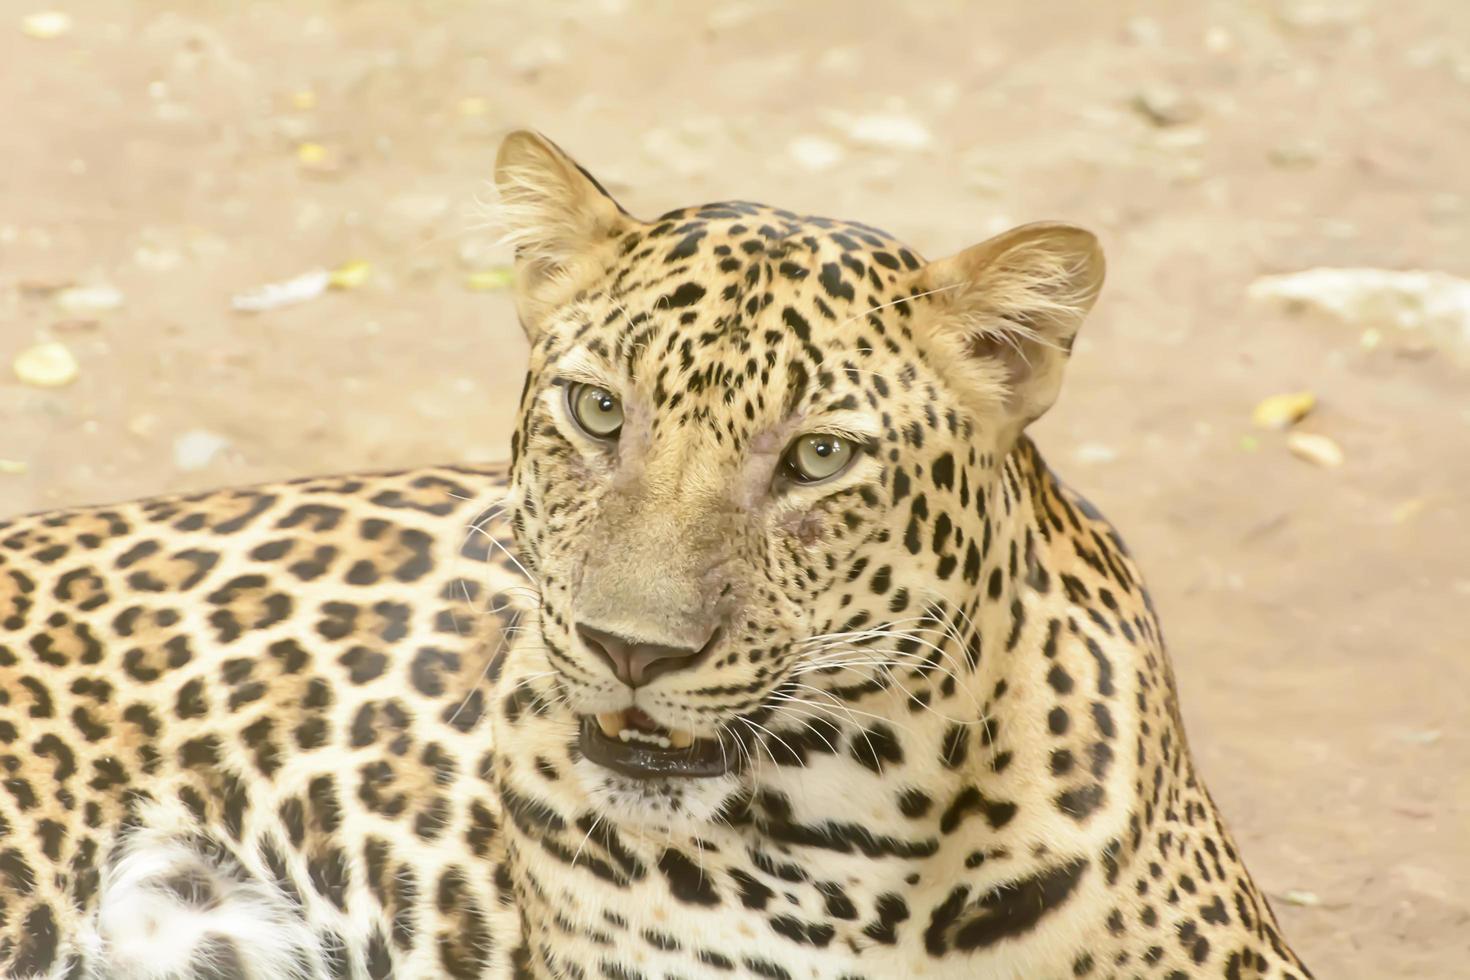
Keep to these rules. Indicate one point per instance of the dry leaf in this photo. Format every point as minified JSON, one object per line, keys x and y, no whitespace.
{"x":46,"y":365}
{"x":488,"y":280}
{"x":316,"y":158}
{"x":1283,"y":411}
{"x":41,"y":288}
{"x":350,"y":276}
{"x":1409,"y":509}
{"x":1314,"y":448}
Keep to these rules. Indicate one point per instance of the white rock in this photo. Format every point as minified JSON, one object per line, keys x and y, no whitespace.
{"x":1090,"y":453}
{"x":274,"y":295}
{"x":1435,"y":302}
{"x":197,"y":448}
{"x":84,"y":300}
{"x":815,"y":153}
{"x":157,"y":258}
{"x":1301,"y":897}
{"x":892,"y":131}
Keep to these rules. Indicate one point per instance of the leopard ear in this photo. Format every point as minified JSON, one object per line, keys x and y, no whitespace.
{"x":556,"y":216}
{"x":1010,"y":308}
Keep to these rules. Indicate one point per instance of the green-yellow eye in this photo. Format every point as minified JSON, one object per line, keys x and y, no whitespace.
{"x":815,"y":457}
{"x":597,"y":410}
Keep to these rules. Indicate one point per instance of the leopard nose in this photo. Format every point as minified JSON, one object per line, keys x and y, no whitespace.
{"x":635,"y":664}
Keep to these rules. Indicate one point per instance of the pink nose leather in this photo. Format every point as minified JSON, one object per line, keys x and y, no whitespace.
{"x":635,"y":664}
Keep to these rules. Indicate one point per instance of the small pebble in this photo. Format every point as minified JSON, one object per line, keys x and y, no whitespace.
{"x":1143,"y":31}
{"x":143,"y":425}
{"x":889,"y":131}
{"x":46,"y":25}
{"x":814,"y":153}
{"x":1164,"y":106}
{"x":1314,"y":448}
{"x":197,"y":448}
{"x":1294,"y":155}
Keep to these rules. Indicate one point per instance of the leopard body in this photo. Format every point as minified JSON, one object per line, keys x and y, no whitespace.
{"x":336,"y":727}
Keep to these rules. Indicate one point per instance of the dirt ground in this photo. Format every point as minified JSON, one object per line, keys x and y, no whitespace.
{"x":1319,"y":617}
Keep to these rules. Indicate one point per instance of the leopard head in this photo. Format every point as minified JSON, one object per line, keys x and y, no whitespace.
{"x":747,"y":438}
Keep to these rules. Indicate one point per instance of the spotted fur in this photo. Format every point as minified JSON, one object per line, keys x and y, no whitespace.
{"x":330,"y":728}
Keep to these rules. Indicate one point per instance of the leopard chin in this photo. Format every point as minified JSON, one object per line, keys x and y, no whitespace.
{"x":659,"y":806}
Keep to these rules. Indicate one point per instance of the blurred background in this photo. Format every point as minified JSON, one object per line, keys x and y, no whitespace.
{"x":248,"y":241}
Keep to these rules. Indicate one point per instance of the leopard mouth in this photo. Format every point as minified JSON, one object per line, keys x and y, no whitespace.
{"x":632,"y":744}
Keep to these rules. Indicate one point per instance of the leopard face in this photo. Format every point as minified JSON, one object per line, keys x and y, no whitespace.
{"x":733,"y":426}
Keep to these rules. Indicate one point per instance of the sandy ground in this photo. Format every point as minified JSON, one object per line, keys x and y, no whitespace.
{"x":1318,"y":616}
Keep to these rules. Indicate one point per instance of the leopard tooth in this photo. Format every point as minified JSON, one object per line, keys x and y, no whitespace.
{"x":680,"y":739}
{"x":612,"y":722}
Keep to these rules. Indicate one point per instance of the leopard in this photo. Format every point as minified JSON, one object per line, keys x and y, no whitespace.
{"x":775,"y":650}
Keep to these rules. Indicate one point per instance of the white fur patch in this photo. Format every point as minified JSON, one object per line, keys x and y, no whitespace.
{"x":146,"y":930}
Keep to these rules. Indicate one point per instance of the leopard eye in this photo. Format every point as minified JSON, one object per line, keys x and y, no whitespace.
{"x":597,"y":410}
{"x":819,"y":456}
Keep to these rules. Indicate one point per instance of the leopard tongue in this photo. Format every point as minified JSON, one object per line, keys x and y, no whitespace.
{"x":612,"y":724}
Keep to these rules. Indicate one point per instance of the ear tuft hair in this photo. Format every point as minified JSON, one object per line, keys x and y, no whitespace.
{"x":554,"y":214}
{"x":1013,"y":306}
